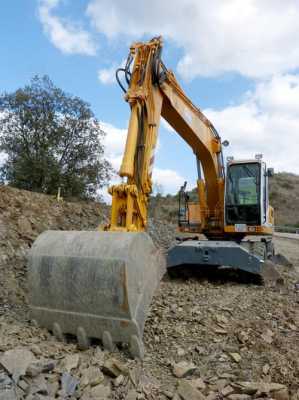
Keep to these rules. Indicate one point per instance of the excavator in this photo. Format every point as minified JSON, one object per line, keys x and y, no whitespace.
{"x":99,"y":284}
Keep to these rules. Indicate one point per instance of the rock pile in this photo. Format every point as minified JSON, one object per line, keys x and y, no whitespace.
{"x":211,"y":337}
{"x":23,"y":216}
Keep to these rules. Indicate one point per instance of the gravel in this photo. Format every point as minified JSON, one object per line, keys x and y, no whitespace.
{"x":212,"y":336}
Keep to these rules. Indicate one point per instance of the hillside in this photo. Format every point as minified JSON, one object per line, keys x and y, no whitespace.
{"x":284,"y":197}
{"x":23,"y":216}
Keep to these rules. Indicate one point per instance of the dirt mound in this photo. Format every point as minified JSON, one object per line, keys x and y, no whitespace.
{"x":284,"y":196}
{"x":209,"y":336}
{"x":24,"y":215}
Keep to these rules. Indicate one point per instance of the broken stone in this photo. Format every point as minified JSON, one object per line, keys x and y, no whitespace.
{"x":181,"y":352}
{"x":98,"y":357}
{"x":52,"y":388}
{"x":113,"y":368}
{"x":293,"y":327}
{"x":176,"y":396}
{"x":221,"y":319}
{"x":266,"y":369}
{"x":227,"y":390}
{"x":23,"y":385}
{"x":24,"y":226}
{"x":36,"y":350}
{"x":37,"y":367}
{"x":38,"y":396}
{"x":198,"y":383}
{"x":135,"y":375}
{"x":99,"y":392}
{"x":169,"y":394}
{"x":34,"y":369}
{"x":282,"y":394}
{"x":48,"y":366}
{"x":188,"y":392}
{"x":236,"y":357}
{"x":119,"y":380}
{"x":220,"y":384}
{"x":132,"y":395}
{"x":38,"y":386}
{"x":273,"y":389}
{"x":223,"y":357}
{"x":212,"y":396}
{"x":227,"y":375}
{"x":220,"y":331}
{"x":5,"y":381}
{"x":8,"y":394}
{"x":268,"y":336}
{"x":156,"y":339}
{"x":91,"y":376}
{"x":262,"y":388}
{"x":243,"y":337}
{"x":70,"y":362}
{"x":183,"y":369}
{"x":68,"y":384}
{"x":248,"y":388}
{"x":239,"y":397}
{"x":16,"y":362}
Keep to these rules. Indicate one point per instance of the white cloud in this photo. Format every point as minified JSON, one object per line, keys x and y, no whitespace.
{"x":67,"y":36}
{"x":267,"y":122}
{"x":256,"y":38}
{"x":170,"y":180}
{"x":107,"y":75}
{"x":114,"y":143}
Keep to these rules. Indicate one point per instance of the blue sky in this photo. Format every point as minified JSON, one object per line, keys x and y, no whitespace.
{"x":244,"y":77}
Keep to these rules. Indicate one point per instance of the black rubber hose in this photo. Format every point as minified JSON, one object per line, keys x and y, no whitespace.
{"x":118,"y":79}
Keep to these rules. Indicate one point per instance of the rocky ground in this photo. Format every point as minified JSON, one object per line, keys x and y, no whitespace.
{"x":213,"y":336}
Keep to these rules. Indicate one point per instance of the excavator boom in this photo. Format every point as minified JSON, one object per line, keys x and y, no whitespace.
{"x":154,"y":92}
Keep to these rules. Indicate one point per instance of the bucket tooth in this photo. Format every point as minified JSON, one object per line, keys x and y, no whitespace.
{"x":136,"y":347}
{"x":107,"y":341}
{"x":94,"y":284}
{"x":82,"y":338}
{"x":57,"y":332}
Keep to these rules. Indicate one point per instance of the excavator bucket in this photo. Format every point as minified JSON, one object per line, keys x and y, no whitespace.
{"x":94,"y":285}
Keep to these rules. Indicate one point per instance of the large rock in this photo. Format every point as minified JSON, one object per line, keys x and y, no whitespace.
{"x":91,"y":376}
{"x":114,"y":367}
{"x":99,"y":392}
{"x":68,"y":384}
{"x":188,"y":392}
{"x":275,"y":390}
{"x":70,"y":362}
{"x":8,"y":394}
{"x":16,"y":361}
{"x":183,"y":369}
{"x":39,"y":366}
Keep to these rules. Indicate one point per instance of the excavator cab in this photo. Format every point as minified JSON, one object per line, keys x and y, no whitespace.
{"x":247,"y":210}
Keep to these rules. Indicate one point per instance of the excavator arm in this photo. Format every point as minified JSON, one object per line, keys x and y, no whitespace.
{"x":153,"y":92}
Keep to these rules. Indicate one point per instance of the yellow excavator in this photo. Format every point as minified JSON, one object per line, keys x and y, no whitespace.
{"x":99,"y":284}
